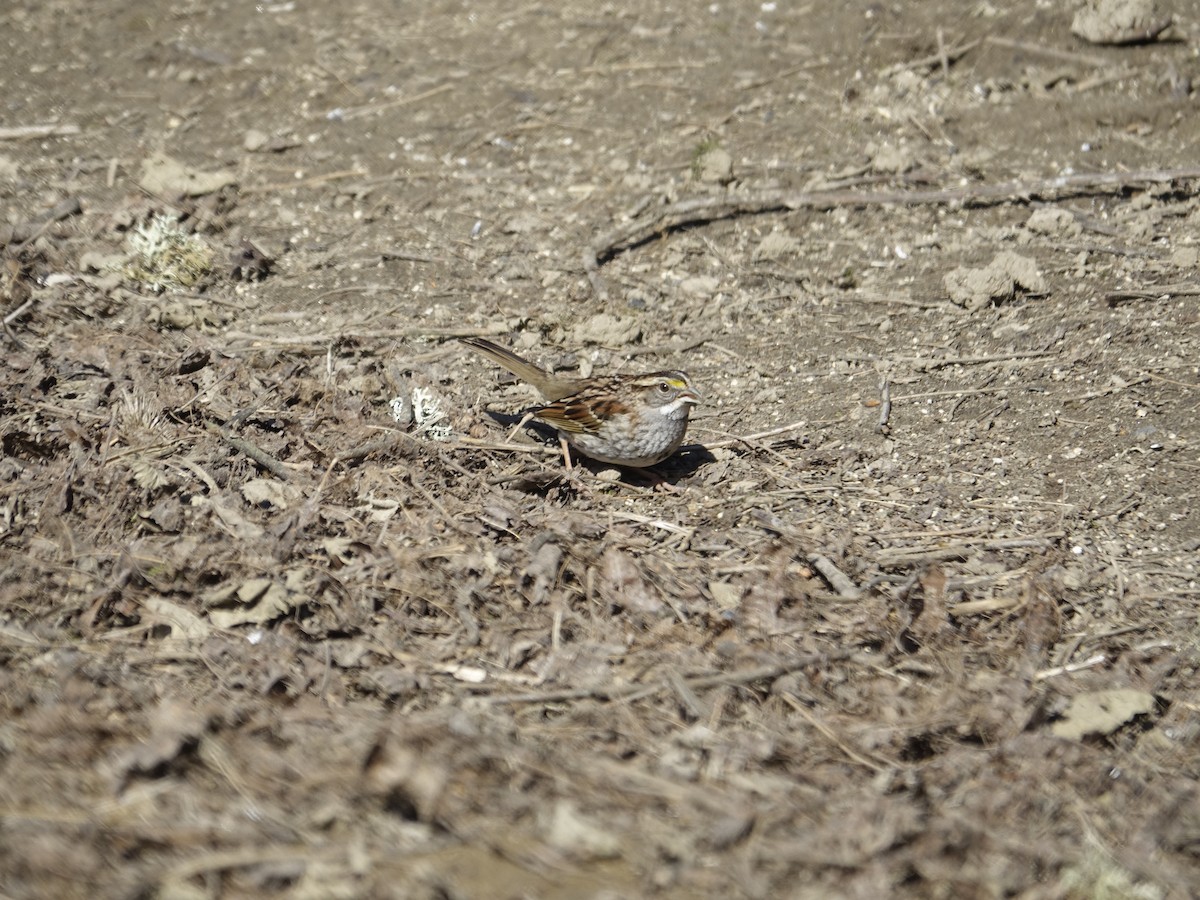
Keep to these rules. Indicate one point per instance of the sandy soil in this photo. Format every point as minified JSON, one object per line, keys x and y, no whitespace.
{"x":921,"y":617}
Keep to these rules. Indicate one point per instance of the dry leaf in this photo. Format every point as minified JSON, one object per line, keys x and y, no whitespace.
{"x":169,"y":178}
{"x":147,"y":475}
{"x":267,"y":492}
{"x":623,"y":585}
{"x":1102,"y":712}
{"x":183,"y":622}
{"x":412,"y":782}
{"x":174,"y":730}
{"x":584,"y":839}
{"x":542,"y":572}
{"x":254,"y":602}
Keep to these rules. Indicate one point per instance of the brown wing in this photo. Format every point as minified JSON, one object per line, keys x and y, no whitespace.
{"x":570,"y":415}
{"x":587,"y":411}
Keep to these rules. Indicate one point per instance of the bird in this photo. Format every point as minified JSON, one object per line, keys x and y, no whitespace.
{"x":627,"y":420}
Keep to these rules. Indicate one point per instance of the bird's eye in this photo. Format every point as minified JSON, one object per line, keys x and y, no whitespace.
{"x":664,"y":388}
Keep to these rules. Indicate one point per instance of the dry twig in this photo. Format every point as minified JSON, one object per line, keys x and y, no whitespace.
{"x":26,"y":132}
{"x":1155,"y":292}
{"x":837,"y":579}
{"x":19,"y":311}
{"x":257,"y":454}
{"x":637,"y":691}
{"x":710,"y":209}
{"x":944,"y":57}
{"x":1085,"y":59}
{"x":733,"y":442}
{"x":885,"y":407}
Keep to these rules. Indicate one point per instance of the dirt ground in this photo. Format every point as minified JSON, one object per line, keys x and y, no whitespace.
{"x":283,"y":615}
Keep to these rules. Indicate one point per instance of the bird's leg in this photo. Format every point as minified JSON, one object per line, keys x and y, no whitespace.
{"x":566,"y":452}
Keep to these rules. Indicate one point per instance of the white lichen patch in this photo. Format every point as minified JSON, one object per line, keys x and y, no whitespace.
{"x":428,"y":416}
{"x":166,"y":257}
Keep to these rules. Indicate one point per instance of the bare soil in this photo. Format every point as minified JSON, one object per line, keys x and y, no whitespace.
{"x":921,"y":616}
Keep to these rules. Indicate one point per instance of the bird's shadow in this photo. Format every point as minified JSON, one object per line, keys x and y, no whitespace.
{"x":687,"y":461}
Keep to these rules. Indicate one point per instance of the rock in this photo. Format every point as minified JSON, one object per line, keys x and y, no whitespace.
{"x":255,"y":140}
{"x":1119,"y":21}
{"x":713,"y":166}
{"x":999,"y":280}
{"x":1054,"y":222}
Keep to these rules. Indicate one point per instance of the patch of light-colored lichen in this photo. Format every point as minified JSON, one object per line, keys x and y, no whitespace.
{"x":165,"y":257}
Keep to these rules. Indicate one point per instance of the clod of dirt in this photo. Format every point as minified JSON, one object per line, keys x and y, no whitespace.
{"x":623,"y":585}
{"x":167,"y":177}
{"x":255,"y":140}
{"x":609,"y":330}
{"x":891,"y":159}
{"x":266,"y":493}
{"x":1119,"y":21}
{"x":1185,"y":257}
{"x":194,"y":361}
{"x":713,"y":165}
{"x":776,"y":245}
{"x":1053,"y":222}
{"x":410,"y":781}
{"x":542,"y":572}
{"x":98,"y":261}
{"x":180,"y":313}
{"x":700,"y":285}
{"x":996,"y":282}
{"x":182,"y":622}
{"x":1101,"y":712}
{"x":523,"y":223}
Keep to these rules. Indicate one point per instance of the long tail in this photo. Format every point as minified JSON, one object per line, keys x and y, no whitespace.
{"x":550,"y":387}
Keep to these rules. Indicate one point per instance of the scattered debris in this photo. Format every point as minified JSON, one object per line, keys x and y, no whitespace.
{"x":248,"y":262}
